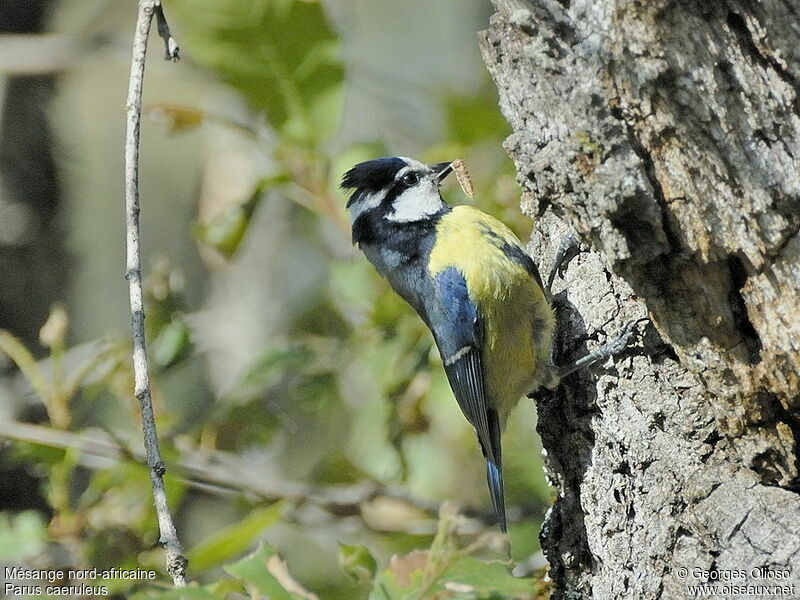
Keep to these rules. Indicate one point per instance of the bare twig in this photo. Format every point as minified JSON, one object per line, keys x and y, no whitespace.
{"x":222,"y":473}
{"x":176,"y":562}
{"x":171,"y":49}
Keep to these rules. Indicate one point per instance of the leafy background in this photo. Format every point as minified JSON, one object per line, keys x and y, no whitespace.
{"x":305,"y":419}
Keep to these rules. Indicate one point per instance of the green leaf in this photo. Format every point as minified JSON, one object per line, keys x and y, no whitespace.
{"x":226,"y":586}
{"x":26,"y":363}
{"x":185,"y":593}
{"x":172,"y":344}
{"x":403,"y":580}
{"x":486,"y":579}
{"x":22,"y":535}
{"x":226,"y":231}
{"x":267,"y":573}
{"x":358,"y":562}
{"x":232,"y":540}
{"x":281,"y":54}
{"x":465,"y":578}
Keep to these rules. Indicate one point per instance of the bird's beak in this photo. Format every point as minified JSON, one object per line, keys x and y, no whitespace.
{"x":441,"y":170}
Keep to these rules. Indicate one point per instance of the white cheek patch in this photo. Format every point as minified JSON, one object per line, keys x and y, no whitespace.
{"x":365,"y":203}
{"x":416,"y":203}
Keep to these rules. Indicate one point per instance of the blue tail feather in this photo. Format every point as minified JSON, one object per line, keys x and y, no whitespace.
{"x":494,"y":477}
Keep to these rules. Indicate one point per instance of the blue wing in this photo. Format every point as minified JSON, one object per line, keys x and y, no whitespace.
{"x":458,"y":329}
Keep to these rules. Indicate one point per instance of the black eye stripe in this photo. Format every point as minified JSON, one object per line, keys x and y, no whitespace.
{"x":389,"y":194}
{"x":396,"y":189}
{"x":410,"y":178}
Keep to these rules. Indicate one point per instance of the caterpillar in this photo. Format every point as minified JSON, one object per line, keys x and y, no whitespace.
{"x":462,"y":174}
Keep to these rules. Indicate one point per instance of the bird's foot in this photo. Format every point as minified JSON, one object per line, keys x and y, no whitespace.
{"x":604,"y":352}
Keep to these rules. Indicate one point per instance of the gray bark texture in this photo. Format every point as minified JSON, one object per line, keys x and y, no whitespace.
{"x":667,"y":135}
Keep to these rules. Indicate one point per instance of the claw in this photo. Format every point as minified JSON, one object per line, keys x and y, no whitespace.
{"x":621,"y":342}
{"x":568,"y":248}
{"x":604,"y":352}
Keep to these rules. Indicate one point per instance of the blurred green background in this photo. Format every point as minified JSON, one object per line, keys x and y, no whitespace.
{"x":298,"y":400}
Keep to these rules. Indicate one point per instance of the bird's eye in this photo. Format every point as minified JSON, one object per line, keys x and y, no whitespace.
{"x":410,"y":179}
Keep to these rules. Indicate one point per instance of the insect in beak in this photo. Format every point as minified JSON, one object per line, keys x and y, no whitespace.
{"x":464,"y":179}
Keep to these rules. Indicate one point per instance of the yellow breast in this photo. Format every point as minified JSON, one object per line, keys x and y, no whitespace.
{"x":518,"y":320}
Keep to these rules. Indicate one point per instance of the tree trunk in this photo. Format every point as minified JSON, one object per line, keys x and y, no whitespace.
{"x":667,"y":135}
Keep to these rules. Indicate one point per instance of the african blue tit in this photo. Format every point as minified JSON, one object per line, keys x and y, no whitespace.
{"x":472,"y":283}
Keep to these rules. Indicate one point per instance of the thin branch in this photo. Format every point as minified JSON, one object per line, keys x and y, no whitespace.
{"x":171,"y":49}
{"x":222,"y":473}
{"x":176,"y":562}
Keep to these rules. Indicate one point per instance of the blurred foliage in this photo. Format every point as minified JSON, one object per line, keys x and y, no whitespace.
{"x":444,"y":571}
{"x":225,"y":232}
{"x":351,"y":392}
{"x":232,"y":540}
{"x":22,"y":536}
{"x":282,"y":55}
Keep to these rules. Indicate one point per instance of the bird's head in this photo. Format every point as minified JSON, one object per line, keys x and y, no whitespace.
{"x":396,"y":189}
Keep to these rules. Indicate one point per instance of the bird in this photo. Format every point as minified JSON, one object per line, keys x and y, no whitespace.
{"x":470,"y":280}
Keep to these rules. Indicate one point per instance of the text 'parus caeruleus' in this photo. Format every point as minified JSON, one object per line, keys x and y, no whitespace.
{"x":470,"y":279}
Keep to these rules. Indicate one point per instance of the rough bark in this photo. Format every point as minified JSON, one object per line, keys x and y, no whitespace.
{"x":667,"y":135}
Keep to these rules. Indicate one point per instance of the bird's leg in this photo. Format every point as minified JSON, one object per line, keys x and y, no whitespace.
{"x":568,"y":248}
{"x":604,"y":352}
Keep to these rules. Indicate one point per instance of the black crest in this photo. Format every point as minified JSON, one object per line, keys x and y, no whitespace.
{"x":373,"y":175}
